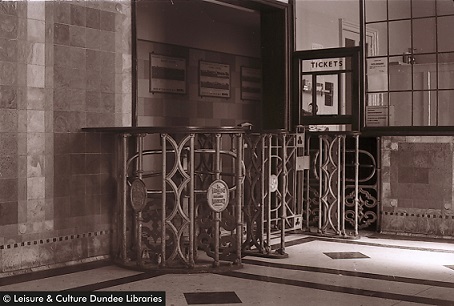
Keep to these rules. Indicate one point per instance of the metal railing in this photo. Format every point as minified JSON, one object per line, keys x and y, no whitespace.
{"x":201,"y":198}
{"x":182,"y":196}
{"x":272,"y":205}
{"x":327,"y":206}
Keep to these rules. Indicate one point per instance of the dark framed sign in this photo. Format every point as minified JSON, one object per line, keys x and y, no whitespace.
{"x":167,"y":74}
{"x":251,"y":83}
{"x":214,"y":79}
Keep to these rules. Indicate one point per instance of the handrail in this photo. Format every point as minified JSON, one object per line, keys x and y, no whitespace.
{"x":165,"y":129}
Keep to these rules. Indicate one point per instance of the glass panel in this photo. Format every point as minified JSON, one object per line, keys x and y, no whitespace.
{"x":327,"y":95}
{"x":377,"y":74}
{"x":445,"y":107}
{"x":424,"y":72}
{"x":399,"y":75}
{"x":375,"y":10}
{"x":382,"y":32}
{"x":445,"y":26}
{"x":317,"y":22}
{"x":423,"y":35}
{"x":399,"y":9}
{"x":306,"y":95}
{"x":446,"y":71}
{"x":400,"y":110}
{"x":399,"y":37}
{"x":424,"y":108}
{"x":445,"y":7}
{"x":422,"y":8}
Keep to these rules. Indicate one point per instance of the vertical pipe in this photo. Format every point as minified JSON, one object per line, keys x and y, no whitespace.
{"x":191,"y":203}
{"x":320,"y":177}
{"x":262,"y":191}
{"x":267,"y":192}
{"x":308,"y":200}
{"x":239,"y":196}
{"x":339,"y":183}
{"x":163,"y":194}
{"x":343,"y":188}
{"x":356,"y":181}
{"x":124,"y":174}
{"x":217,"y":215}
{"x":378,"y":183}
{"x":283,"y":191}
{"x":139,"y":213}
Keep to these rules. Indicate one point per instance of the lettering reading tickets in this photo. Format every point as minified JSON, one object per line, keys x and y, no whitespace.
{"x":218,"y":195}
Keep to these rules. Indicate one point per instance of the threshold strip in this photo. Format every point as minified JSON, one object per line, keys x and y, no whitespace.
{"x":332,"y":288}
{"x":390,"y":278}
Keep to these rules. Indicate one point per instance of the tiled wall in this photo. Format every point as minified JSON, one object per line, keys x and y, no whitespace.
{"x":190,"y":109}
{"x":64,"y":65}
{"x":418,"y":185}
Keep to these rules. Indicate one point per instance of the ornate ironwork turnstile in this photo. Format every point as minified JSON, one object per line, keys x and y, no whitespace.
{"x":181,"y":198}
{"x":272,"y":202}
{"x":341,"y":188}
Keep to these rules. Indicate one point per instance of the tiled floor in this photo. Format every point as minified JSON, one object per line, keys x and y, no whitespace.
{"x":372,"y":270}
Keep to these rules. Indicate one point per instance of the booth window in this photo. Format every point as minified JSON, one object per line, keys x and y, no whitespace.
{"x":410,"y":76}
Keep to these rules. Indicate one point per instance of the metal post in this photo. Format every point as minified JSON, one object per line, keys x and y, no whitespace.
{"x":163,"y":194}
{"x":356,"y":181}
{"x":124,"y":174}
{"x":283,"y":191}
{"x":267,"y":192}
{"x":308,"y":193}
{"x":191,"y":203}
{"x":217,"y":215}
{"x":339,"y":184}
{"x":262,"y":193}
{"x":139,"y":213}
{"x":239,"y":196}
{"x":343,"y":189}
{"x":320,"y":158}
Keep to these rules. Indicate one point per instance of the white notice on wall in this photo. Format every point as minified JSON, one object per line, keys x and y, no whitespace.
{"x":377,"y":74}
{"x":376,"y":115}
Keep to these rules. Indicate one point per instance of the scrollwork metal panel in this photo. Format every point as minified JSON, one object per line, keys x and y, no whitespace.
{"x":172,"y":227}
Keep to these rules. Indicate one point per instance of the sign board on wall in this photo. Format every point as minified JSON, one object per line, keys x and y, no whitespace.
{"x":214,"y":79}
{"x":251,"y":84}
{"x":167,"y":74}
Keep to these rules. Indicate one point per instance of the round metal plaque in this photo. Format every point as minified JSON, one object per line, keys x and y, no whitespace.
{"x":138,"y":194}
{"x":273,"y":182}
{"x":218,"y":195}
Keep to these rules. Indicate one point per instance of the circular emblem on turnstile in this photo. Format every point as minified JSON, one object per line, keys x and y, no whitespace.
{"x":138,"y":194}
{"x":273,"y":182}
{"x":218,"y":195}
